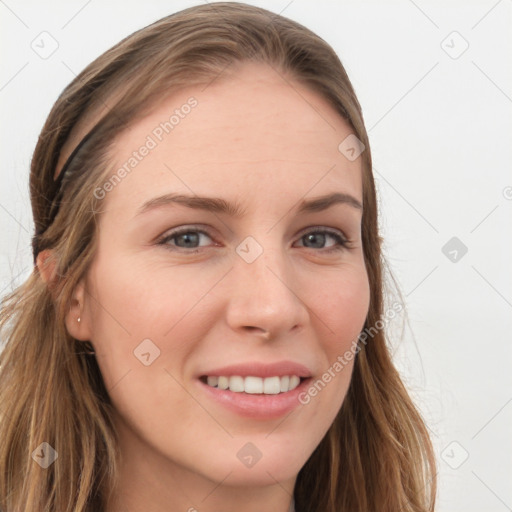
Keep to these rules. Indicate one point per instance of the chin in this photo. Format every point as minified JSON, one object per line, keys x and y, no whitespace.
{"x":261,"y":475}
{"x":269,"y":466}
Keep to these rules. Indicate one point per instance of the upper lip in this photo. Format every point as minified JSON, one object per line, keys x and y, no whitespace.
{"x":259,"y":369}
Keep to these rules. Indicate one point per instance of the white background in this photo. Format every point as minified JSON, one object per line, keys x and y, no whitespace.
{"x":440,"y":129}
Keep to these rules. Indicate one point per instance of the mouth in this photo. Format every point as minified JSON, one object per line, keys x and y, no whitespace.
{"x":254,"y":397}
{"x":253,"y":385}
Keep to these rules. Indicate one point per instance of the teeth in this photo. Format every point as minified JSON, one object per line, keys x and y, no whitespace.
{"x":255,"y":385}
{"x":294,"y":381}
{"x":236,"y":384}
{"x":252,"y":385}
{"x":223,"y":382}
{"x":272,"y":386}
{"x":212,"y":381}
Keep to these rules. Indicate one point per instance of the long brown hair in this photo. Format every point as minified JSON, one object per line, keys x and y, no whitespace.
{"x":377,"y":454}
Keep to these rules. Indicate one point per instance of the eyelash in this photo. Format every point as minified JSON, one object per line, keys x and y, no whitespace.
{"x":342,"y":243}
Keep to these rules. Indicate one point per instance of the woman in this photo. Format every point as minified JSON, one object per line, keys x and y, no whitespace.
{"x":203,"y":329}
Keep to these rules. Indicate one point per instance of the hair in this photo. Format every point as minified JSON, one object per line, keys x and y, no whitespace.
{"x":376,"y":455}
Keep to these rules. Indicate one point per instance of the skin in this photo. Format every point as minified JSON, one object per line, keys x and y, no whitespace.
{"x":266,"y":143}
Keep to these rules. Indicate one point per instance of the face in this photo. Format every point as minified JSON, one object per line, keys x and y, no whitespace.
{"x":253,"y":290}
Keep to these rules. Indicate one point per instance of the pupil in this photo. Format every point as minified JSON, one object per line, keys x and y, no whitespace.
{"x":189,"y":238}
{"x":319,"y":238}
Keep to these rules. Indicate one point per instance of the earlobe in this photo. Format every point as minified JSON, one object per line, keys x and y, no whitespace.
{"x":76,"y":321}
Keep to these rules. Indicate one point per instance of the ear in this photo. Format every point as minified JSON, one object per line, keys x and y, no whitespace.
{"x":78,"y":315}
{"x":46,"y":265}
{"x":78,"y":329}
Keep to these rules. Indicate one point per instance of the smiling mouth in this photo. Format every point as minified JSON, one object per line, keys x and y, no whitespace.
{"x":253,"y":385}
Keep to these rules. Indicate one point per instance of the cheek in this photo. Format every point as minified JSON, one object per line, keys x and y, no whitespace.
{"x":343,"y":308}
{"x":144,"y":301}
{"x":132,"y":303}
{"x":342,"y":305}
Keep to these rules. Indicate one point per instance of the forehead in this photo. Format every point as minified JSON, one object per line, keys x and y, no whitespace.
{"x":255,"y":129}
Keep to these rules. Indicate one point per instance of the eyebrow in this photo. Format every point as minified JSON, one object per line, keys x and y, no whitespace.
{"x":219,"y":205}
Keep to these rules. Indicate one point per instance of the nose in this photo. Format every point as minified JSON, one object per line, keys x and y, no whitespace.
{"x":263,"y":297}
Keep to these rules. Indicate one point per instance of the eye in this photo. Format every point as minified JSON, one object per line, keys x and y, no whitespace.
{"x":317,"y":238}
{"x":184,"y":238}
{"x":189,"y":238}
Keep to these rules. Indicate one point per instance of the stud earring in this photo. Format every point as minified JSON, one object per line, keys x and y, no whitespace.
{"x":78,"y":319}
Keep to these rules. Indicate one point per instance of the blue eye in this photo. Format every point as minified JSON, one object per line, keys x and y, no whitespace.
{"x":318,"y":238}
{"x":188,"y":239}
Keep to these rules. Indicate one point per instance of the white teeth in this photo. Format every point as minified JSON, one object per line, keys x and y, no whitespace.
{"x":236,"y":383}
{"x":272,"y":385}
{"x":255,"y":385}
{"x":294,"y":381}
{"x":212,"y":381}
{"x":223,"y":382}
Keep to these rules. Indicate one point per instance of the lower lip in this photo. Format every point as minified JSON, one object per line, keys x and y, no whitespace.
{"x":258,"y":406}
